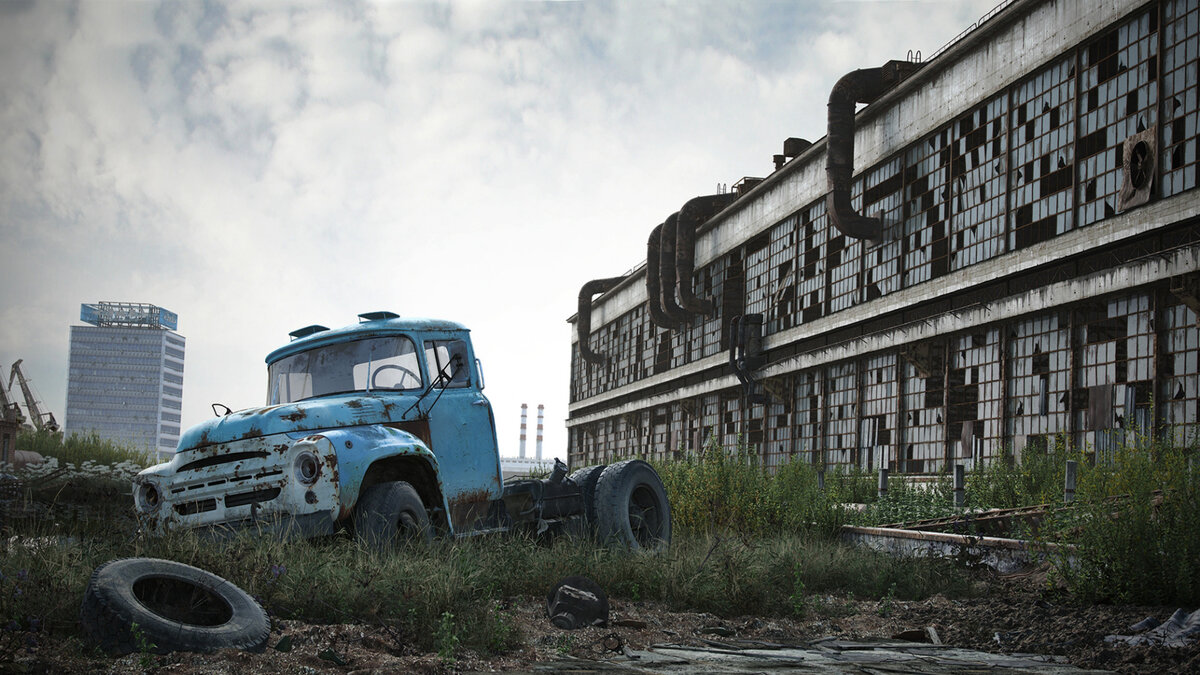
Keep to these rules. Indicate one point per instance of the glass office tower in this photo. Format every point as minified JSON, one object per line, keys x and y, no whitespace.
{"x":125,"y":381}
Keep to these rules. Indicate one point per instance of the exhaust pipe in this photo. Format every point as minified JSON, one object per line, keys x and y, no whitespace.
{"x":583,"y":320}
{"x":693,"y":214}
{"x":859,"y":86}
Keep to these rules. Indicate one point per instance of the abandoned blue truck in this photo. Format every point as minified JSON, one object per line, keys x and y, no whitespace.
{"x":381,"y":429}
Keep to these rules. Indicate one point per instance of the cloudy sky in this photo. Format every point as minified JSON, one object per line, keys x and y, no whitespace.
{"x":260,"y":166}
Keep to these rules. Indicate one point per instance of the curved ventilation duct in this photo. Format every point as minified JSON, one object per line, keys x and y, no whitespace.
{"x":859,"y":86}
{"x":583,"y":321}
{"x":693,"y":214}
{"x":654,"y":279}
{"x":666,"y":271}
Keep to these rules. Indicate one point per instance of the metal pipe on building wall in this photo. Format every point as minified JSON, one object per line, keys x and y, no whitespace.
{"x":654,"y":279}
{"x":859,"y":86}
{"x":666,"y":270}
{"x":583,"y":322}
{"x":694,"y":213}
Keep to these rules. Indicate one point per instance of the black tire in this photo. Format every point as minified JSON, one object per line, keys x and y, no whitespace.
{"x":586,"y":479}
{"x":389,"y":515}
{"x":176,"y":607}
{"x":631,"y":506}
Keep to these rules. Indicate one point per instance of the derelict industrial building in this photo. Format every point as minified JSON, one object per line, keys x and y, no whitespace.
{"x":1001,"y":248}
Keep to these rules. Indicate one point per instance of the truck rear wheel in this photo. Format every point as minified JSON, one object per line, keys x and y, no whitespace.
{"x":391,"y":514}
{"x":586,"y":479}
{"x":632,"y":507}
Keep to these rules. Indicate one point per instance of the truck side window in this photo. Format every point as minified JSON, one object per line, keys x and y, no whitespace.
{"x":447,"y":361}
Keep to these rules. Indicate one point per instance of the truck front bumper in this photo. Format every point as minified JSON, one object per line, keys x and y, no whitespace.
{"x":267,"y":482}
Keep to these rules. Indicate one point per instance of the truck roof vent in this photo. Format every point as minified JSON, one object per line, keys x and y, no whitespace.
{"x":377,"y":316}
{"x":306,"y":331}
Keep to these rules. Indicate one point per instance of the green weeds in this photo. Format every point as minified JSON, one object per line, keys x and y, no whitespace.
{"x":80,"y":448}
{"x":1135,"y":528}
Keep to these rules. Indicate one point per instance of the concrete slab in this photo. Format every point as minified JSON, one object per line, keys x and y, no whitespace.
{"x":822,"y":656}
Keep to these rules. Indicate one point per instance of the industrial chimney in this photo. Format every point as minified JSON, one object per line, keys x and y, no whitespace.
{"x":524,"y":408}
{"x":541,"y":408}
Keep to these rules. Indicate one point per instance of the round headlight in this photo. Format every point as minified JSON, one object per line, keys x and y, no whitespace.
{"x":148,"y":497}
{"x":307,"y":468}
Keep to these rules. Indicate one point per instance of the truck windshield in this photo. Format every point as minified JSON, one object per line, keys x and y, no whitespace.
{"x":389,"y":363}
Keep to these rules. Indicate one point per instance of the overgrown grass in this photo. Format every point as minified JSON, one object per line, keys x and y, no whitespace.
{"x":463,"y":588}
{"x":720,"y":490}
{"x":1136,"y":527}
{"x":79,"y":448}
{"x":747,"y":541}
{"x":1036,"y":479}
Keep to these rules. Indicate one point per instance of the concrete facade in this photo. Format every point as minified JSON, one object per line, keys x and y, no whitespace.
{"x":1015,"y":297}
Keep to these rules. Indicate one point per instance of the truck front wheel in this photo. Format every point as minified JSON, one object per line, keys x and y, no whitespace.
{"x":631,"y":506}
{"x":391,"y":514}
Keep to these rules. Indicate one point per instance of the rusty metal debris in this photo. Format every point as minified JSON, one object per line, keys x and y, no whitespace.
{"x":1180,"y":630}
{"x":577,"y":602}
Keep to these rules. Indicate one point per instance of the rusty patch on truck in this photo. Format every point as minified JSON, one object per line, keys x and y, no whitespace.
{"x":296,"y":416}
{"x":468,"y":507}
{"x":354,"y":403}
{"x":252,"y":432}
{"x":222,"y":459}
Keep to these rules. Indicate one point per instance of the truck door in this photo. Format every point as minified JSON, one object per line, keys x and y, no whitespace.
{"x":463,"y":433}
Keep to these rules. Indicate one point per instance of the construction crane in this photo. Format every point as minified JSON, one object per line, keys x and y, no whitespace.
{"x":42,"y":421}
{"x":10,"y":412}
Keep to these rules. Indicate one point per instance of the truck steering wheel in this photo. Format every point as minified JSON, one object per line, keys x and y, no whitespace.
{"x":405,"y":373}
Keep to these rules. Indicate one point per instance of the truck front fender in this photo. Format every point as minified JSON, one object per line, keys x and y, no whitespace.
{"x":359,"y":448}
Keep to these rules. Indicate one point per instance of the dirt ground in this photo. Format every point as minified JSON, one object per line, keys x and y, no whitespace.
{"x":1016,"y":615}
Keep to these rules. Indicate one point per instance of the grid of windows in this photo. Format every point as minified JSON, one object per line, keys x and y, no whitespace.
{"x":841,"y":414}
{"x":1039,"y":353}
{"x":879,"y":400}
{"x":771,"y":277}
{"x":1179,"y":392}
{"x":1180,"y":110}
{"x":1118,"y":98}
{"x":883,"y":197}
{"x":978,"y":158}
{"x":976,"y":396}
{"x":1040,"y":177}
{"x":812,"y":293}
{"x":926,"y":244}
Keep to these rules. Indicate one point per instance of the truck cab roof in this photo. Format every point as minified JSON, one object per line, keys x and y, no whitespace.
{"x":372,"y":324}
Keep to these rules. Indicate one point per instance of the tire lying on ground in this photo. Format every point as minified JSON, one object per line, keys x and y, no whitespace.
{"x":176,"y":607}
{"x":586,"y":479}
{"x":631,"y":506}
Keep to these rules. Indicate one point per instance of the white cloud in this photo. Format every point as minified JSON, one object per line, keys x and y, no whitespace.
{"x":256,"y":167}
